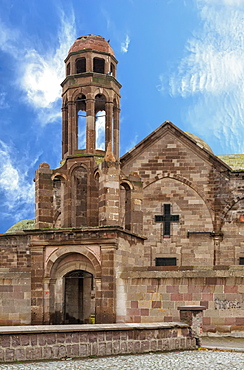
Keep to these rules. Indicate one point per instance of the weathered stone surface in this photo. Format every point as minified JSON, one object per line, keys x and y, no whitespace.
{"x":98,"y":342}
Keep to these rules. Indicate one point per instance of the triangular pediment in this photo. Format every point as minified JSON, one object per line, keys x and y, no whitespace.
{"x":168,"y":128}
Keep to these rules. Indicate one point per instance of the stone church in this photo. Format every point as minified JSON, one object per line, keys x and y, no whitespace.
{"x":131,"y":238}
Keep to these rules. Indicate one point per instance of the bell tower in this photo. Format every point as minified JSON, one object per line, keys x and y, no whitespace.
{"x":91,"y":99}
{"x":69,"y":195}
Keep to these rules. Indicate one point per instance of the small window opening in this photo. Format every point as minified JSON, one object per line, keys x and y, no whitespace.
{"x":68,"y":69}
{"x":98,"y":65}
{"x":241,"y":261}
{"x":112,"y":69}
{"x":80,"y":65}
{"x":165,"y":261}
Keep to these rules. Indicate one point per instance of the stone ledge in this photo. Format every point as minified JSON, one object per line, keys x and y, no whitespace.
{"x":192,"y":308}
{"x":144,"y":273}
{"x":86,"y":327}
{"x":57,"y":341}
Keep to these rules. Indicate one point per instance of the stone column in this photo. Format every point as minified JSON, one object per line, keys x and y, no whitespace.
{"x":108,"y":124}
{"x":116,"y":132}
{"x":90,"y":126}
{"x":64,"y":130}
{"x":192,"y":315}
{"x":72,"y":128}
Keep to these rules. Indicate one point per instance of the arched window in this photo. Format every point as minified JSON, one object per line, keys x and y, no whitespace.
{"x":68,"y":69}
{"x":100,"y":121}
{"x":98,"y":65}
{"x":80,"y":65}
{"x":125,"y":205}
{"x":81,"y":121}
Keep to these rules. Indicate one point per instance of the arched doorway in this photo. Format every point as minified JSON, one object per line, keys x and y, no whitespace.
{"x":78,"y":287}
{"x":72,"y":279}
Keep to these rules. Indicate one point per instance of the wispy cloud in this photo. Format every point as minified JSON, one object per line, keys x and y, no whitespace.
{"x":212,"y":72}
{"x":125,"y":44}
{"x":17,"y":192}
{"x":238,"y":3}
{"x":40,"y":73}
{"x":3,"y":102}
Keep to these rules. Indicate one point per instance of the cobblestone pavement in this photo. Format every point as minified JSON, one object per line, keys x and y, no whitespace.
{"x":187,"y":360}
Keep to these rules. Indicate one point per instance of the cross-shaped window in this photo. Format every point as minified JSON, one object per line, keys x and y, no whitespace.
{"x":167,"y":218}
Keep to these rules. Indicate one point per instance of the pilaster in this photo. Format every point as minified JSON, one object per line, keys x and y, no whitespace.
{"x":44,"y":197}
{"x":37,"y":299}
{"x":109,"y":193}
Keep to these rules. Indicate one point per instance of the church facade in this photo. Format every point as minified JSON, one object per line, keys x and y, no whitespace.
{"x":125,"y":239}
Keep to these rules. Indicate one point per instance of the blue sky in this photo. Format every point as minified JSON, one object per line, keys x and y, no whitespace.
{"x":179,"y":60}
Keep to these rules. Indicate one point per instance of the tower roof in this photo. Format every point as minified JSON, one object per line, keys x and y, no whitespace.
{"x":93,"y":42}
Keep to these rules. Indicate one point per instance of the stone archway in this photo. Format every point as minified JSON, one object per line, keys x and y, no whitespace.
{"x":64,"y":293}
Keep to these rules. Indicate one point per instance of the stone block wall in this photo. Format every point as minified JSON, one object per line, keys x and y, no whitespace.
{"x":55,"y":342}
{"x":15,"y":280}
{"x":153,"y":296}
{"x":197,"y":187}
{"x":15,"y":302}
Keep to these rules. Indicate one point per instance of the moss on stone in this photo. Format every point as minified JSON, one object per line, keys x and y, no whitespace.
{"x":27,"y":224}
{"x":234,"y":161}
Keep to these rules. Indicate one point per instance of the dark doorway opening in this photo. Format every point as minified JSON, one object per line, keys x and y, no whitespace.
{"x":77,"y":297}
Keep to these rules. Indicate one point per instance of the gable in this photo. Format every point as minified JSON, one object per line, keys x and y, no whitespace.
{"x":195,"y":147}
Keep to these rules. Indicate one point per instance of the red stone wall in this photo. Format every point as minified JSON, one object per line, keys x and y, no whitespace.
{"x":15,"y":283}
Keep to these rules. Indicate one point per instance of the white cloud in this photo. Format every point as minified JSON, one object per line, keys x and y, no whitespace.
{"x":17,"y":192}
{"x":125,"y":44}
{"x":212,"y":72}
{"x":40,"y":73}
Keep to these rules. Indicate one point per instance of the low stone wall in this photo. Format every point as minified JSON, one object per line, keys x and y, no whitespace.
{"x":22,"y":343}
